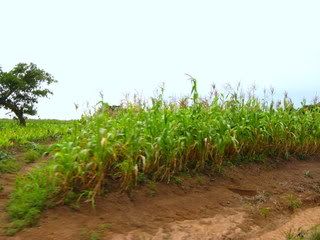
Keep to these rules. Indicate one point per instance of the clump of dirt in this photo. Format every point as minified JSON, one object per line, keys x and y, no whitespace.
{"x":247,"y":202}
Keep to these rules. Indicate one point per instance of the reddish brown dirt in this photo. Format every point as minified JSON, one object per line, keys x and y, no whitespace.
{"x":232,"y":206}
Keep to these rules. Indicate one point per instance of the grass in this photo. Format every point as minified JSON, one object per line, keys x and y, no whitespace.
{"x":293,"y":202}
{"x":25,"y":213}
{"x":264,"y":211}
{"x":156,"y":140}
{"x":152,"y":188}
{"x":8,"y":164}
{"x":31,"y":156}
{"x":95,"y":234}
{"x":312,"y":234}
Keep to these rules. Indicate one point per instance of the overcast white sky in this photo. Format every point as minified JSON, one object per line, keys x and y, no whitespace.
{"x":121,"y":46}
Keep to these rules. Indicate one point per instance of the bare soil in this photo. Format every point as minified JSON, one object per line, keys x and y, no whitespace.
{"x":246,"y":202}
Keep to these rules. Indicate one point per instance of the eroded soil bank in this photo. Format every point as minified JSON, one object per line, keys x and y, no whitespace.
{"x":248,"y":202}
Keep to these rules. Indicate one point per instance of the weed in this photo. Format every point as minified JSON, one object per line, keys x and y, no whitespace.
{"x":71,"y":200}
{"x":8,"y":164}
{"x":31,"y":156}
{"x":142,"y":178}
{"x":295,"y":235}
{"x":152,"y":188}
{"x":4,"y":155}
{"x":17,"y":225}
{"x":200,"y":180}
{"x":87,"y":234}
{"x":307,"y":174}
{"x":301,"y":156}
{"x":95,"y":236}
{"x":177,"y":180}
{"x":312,"y":234}
{"x":36,"y":147}
{"x":293,"y":202}
{"x":34,"y":189}
{"x":104,"y":226}
{"x":264,"y":212}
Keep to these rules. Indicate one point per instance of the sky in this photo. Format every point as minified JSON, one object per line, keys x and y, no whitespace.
{"x":124,"y":46}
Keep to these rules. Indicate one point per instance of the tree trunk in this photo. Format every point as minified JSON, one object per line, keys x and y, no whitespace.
{"x":22,"y":120}
{"x":17,"y":111}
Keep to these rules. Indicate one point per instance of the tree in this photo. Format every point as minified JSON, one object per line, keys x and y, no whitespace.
{"x":21,"y":87}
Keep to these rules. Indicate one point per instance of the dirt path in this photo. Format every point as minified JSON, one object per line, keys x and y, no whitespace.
{"x":7,"y":182}
{"x":249,"y":202}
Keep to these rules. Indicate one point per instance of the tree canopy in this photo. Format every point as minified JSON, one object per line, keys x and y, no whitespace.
{"x":21,"y":87}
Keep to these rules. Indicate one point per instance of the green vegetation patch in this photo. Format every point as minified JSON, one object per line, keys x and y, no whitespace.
{"x":312,"y":234}
{"x":12,"y":134}
{"x":156,"y":140}
{"x":8,"y":164}
{"x":30,"y":197}
{"x":31,"y":156}
{"x":293,"y":202}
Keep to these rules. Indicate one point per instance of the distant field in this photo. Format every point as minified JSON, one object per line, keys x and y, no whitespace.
{"x":37,"y":130}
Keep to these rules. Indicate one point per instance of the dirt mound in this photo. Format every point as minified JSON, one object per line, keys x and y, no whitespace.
{"x":248,"y":202}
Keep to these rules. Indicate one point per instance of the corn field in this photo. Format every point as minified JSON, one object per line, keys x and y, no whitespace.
{"x":37,"y":130}
{"x":158,"y":139}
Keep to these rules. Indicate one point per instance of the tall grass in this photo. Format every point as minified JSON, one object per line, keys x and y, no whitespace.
{"x":160,"y":139}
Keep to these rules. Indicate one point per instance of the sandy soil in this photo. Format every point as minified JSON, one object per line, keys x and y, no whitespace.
{"x":247,"y":202}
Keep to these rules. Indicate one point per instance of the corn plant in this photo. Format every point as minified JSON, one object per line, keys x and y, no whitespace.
{"x":158,"y":139}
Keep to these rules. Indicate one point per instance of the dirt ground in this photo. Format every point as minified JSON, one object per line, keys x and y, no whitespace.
{"x":246,"y":202}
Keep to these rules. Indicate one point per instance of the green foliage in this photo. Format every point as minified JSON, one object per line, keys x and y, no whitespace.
{"x":37,"y":147}
{"x":95,"y":234}
{"x":200,"y":180}
{"x":293,"y":202}
{"x":160,"y":139}
{"x":177,"y":180}
{"x":21,"y":87}
{"x":37,"y":130}
{"x":264,"y":212}
{"x":31,"y":156}
{"x":4,"y":155}
{"x":312,"y":234}
{"x":152,"y":188}
{"x":8,"y":164}
{"x":34,"y":189}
